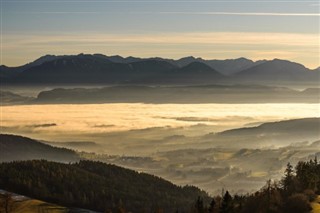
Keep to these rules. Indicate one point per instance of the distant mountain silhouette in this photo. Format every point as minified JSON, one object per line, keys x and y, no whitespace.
{"x":101,"y":69}
{"x":231,"y":66}
{"x":8,"y":98}
{"x":14,"y":148}
{"x":193,"y":73}
{"x":13,"y":71}
{"x":197,"y":67}
{"x":278,"y":70}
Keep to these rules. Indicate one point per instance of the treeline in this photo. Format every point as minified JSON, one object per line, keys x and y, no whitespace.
{"x":292,"y":194}
{"x":96,"y":186}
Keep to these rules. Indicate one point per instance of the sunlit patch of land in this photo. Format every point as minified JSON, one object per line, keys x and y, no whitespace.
{"x":28,"y":205}
{"x":316,"y":205}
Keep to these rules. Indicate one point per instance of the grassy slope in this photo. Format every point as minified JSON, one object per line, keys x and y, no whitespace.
{"x":31,"y":206}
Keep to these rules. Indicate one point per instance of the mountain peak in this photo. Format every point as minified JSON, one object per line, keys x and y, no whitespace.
{"x":196,"y":65}
{"x":277,"y":70}
{"x":187,"y":58}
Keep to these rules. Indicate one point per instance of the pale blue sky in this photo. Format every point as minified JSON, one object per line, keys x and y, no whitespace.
{"x":216,"y":29}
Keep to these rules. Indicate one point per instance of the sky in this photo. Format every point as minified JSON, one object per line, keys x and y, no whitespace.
{"x":211,"y":29}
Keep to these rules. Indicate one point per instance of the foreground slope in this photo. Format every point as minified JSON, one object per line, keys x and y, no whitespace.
{"x":95,"y":185}
{"x":20,"y":204}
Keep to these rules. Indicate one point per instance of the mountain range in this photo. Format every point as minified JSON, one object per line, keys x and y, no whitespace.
{"x":101,"y":69}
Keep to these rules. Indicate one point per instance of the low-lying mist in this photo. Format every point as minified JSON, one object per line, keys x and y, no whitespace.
{"x":132,"y":128}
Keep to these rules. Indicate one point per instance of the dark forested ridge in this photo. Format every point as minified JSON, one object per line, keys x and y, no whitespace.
{"x":97,"y":186}
{"x":178,"y":94}
{"x":13,"y":148}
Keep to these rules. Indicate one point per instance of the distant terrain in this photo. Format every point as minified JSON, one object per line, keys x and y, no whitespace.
{"x":273,"y":134}
{"x":184,"y":94}
{"x":209,"y":161}
{"x":100,"y":69}
{"x":10,"y":98}
{"x":167,"y":94}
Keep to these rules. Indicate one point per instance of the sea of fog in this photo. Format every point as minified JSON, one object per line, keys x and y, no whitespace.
{"x":65,"y":122}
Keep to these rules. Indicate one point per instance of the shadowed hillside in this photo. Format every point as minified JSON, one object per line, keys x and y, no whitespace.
{"x":14,"y":148}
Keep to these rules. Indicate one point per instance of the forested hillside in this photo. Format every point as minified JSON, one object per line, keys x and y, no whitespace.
{"x":97,"y":186}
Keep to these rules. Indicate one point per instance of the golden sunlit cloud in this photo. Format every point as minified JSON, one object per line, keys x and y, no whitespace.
{"x":206,"y":44}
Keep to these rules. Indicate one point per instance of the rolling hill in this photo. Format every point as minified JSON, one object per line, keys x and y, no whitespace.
{"x":271,"y":134}
{"x":303,"y":126}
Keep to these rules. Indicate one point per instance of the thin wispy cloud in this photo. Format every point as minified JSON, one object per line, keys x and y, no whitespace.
{"x":167,"y":1}
{"x":315,"y":5}
{"x":239,"y":38}
{"x":242,"y":13}
{"x":57,"y":12}
{"x":253,"y":45}
{"x":176,"y":13}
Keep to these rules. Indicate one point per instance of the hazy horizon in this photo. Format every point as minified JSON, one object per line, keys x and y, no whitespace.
{"x":170,"y":29}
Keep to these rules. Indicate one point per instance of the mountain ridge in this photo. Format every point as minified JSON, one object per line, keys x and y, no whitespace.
{"x":98,"y":68}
